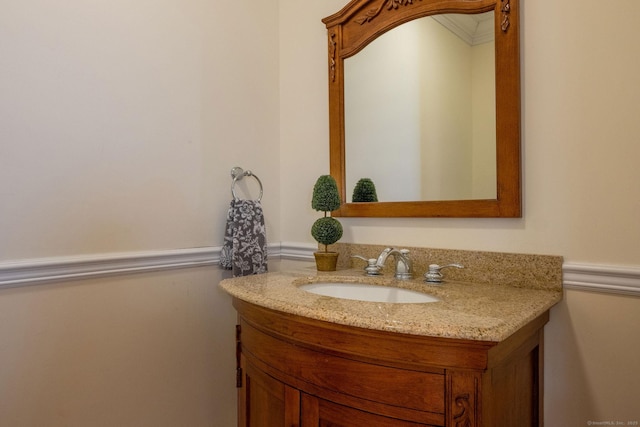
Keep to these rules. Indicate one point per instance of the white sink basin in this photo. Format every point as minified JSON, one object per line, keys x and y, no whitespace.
{"x":366,"y":292}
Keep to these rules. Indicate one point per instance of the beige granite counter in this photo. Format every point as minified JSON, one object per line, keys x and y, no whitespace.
{"x":466,"y":310}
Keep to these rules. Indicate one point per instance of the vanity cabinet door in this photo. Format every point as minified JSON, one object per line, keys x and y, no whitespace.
{"x":318,"y":412}
{"x":264,"y":401}
{"x":371,"y":387}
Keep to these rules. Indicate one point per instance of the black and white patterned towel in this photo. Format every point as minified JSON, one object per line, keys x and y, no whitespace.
{"x":245,"y":239}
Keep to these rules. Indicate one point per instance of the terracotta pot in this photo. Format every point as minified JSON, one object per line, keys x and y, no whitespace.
{"x":326,"y":261}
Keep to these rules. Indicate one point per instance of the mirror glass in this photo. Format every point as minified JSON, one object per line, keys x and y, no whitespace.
{"x":424,"y":100}
{"x":419,"y":109}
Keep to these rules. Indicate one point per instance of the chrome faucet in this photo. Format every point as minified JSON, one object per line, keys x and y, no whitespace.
{"x":433,"y":275}
{"x":404,"y":266}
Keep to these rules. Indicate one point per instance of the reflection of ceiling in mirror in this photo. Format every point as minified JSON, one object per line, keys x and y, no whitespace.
{"x":473,"y":29}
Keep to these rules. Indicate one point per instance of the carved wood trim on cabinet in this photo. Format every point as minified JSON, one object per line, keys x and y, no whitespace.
{"x":463,"y":400}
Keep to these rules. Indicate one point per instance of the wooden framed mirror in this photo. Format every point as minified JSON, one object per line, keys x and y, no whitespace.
{"x":356,"y":27}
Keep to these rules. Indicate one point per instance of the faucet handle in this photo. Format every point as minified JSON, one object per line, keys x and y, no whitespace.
{"x":433,"y":275}
{"x":371,"y":268}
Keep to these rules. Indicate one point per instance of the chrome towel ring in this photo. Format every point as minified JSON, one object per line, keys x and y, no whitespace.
{"x":237,"y":173}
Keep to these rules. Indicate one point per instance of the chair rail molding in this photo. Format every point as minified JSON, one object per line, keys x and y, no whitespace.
{"x":298,"y":251}
{"x":55,"y":269}
{"x":602,"y":278}
{"x":39,"y":271}
{"x":584,"y":277}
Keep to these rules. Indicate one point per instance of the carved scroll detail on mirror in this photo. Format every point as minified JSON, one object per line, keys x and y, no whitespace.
{"x":332,"y":56}
{"x":372,"y":13}
{"x":506,"y":10}
{"x":348,"y":36}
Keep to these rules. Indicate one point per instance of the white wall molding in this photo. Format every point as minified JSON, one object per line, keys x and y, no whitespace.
{"x":584,"y":277}
{"x":298,"y":251}
{"x":40,"y":271}
{"x":55,"y":269}
{"x":601,"y":278}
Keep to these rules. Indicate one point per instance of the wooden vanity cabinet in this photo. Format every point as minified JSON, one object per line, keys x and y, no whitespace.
{"x":297,"y":371}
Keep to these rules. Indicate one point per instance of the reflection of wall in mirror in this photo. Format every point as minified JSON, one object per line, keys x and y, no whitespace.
{"x":484,"y":166}
{"x":417,"y":100}
{"x":382,"y":116}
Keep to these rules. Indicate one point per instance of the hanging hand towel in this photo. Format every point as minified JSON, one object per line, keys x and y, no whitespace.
{"x":245,"y":240}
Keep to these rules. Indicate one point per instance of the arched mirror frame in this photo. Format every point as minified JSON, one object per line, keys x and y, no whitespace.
{"x":359,"y":23}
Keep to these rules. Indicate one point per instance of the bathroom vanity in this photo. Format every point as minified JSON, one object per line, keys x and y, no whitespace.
{"x":472,"y":358}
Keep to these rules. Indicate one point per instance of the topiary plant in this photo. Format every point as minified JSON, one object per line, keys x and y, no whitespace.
{"x":365,"y":191}
{"x":326,"y":230}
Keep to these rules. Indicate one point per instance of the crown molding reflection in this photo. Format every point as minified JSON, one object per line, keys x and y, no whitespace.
{"x":472,"y":29}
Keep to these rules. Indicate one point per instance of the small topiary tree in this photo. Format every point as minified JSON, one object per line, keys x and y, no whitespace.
{"x":326,"y":230}
{"x":365,"y":191}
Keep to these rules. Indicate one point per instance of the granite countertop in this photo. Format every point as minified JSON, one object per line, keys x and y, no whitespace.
{"x":474,"y":311}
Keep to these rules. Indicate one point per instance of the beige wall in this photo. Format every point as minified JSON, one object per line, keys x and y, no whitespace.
{"x":143,"y":350}
{"x":120,"y":122}
{"x":592,"y":371}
